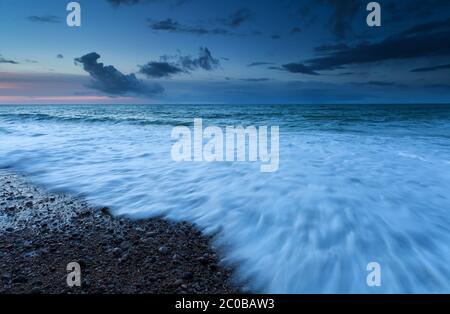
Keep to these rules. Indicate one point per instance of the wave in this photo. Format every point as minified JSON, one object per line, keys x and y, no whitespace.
{"x":91,"y":119}
{"x":344,"y":196}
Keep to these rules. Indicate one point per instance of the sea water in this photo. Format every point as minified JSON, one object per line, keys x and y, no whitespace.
{"x":356,"y":184}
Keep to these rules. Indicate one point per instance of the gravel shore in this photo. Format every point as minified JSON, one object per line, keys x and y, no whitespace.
{"x":40,"y":233}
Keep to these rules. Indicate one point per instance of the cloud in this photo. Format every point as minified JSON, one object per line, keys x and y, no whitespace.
{"x":424,"y":40}
{"x":3,"y":60}
{"x":238,"y":17}
{"x":59,"y":56}
{"x":295,"y":68}
{"x":426,"y":27}
{"x":160,"y":69}
{"x":431,"y":69}
{"x":254,"y":64}
{"x":343,"y":14}
{"x":172,"y":26}
{"x":109,"y":80}
{"x":204,"y":61}
{"x":44,"y":19}
{"x":183,"y":64}
{"x":417,"y":8}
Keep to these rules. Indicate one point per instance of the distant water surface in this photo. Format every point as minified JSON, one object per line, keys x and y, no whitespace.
{"x":356,"y":184}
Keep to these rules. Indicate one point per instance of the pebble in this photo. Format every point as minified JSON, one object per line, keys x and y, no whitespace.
{"x":117,"y":252}
{"x":163,"y":249}
{"x":61,"y":229}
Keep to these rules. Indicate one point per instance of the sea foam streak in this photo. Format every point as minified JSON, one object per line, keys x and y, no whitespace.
{"x":356,"y":184}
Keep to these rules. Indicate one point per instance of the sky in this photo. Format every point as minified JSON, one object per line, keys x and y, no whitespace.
{"x":233,"y":51}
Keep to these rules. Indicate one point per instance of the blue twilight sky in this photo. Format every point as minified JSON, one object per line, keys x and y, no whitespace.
{"x":211,"y":51}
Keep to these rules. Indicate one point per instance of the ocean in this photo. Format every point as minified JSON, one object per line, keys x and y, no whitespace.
{"x":356,"y":184}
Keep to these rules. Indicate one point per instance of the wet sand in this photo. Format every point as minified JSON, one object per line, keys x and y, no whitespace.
{"x":40,"y":233}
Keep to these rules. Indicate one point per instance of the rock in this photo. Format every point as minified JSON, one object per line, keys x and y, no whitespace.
{"x":178,"y":283}
{"x":188,"y":275}
{"x":20,"y":279}
{"x":107,"y":248}
{"x":163,"y":250}
{"x":203,"y":260}
{"x":104,"y":210}
{"x":125,"y":245}
{"x":117,"y":252}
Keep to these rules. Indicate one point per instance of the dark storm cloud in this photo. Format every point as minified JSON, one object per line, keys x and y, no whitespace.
{"x":254,"y":64}
{"x":172,"y":26}
{"x":432,"y":69}
{"x":44,"y":19}
{"x":183,"y":64}
{"x":238,"y":17}
{"x":424,"y":40}
{"x":109,"y":80}
{"x":160,"y":69}
{"x":3,"y":60}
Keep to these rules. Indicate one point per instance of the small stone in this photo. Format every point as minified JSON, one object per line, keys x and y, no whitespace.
{"x":203,"y":260}
{"x":20,"y":279}
{"x":117,"y":252}
{"x":125,"y":245}
{"x":104,"y":210}
{"x":188,"y":275}
{"x":163,"y":249}
{"x":178,"y":282}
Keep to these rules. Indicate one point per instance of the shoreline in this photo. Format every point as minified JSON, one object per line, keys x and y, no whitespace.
{"x":40,"y":233}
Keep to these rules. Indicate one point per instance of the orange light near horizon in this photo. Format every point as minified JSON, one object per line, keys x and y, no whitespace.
{"x":8,"y":86}
{"x":72,"y":99}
